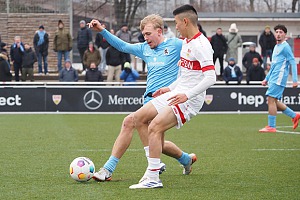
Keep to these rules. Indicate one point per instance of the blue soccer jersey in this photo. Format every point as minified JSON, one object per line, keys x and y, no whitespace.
{"x":282,"y":59}
{"x":161,"y":61}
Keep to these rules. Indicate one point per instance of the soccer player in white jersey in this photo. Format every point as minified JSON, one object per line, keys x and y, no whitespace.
{"x":178,"y":103}
{"x":282,"y":60}
{"x":161,"y":56}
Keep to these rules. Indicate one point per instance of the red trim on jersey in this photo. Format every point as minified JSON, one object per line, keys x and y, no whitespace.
{"x":195,"y":36}
{"x":180,"y":114}
{"x":209,"y":67}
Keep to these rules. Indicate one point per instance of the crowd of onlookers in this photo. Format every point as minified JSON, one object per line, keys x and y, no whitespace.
{"x":99,"y":57}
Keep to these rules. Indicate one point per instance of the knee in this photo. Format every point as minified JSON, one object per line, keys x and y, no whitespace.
{"x":128,"y":122}
{"x":153,"y":128}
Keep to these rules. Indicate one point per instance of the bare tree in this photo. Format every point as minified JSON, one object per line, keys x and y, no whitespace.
{"x":251,"y":5}
{"x":125,"y":11}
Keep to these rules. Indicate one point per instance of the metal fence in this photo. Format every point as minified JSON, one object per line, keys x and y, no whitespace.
{"x":35,"y":6}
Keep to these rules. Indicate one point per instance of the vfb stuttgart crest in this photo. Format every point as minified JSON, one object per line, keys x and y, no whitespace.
{"x":56,"y":99}
{"x":209,"y":98}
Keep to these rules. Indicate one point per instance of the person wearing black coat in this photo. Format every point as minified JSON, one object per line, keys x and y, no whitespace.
{"x":114,"y":60}
{"x":219,"y":45}
{"x":142,"y":39}
{"x":255,"y":72}
{"x":248,"y":57}
{"x":29,"y":58}
{"x":41,"y":44}
{"x":5,"y":74}
{"x":102,"y":45}
{"x":16,"y":54}
{"x":232,"y":72}
{"x":84,"y":37}
{"x":267,"y":42}
{"x":93,"y":74}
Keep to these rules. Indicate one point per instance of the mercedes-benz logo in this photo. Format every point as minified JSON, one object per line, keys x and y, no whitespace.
{"x":92,"y":99}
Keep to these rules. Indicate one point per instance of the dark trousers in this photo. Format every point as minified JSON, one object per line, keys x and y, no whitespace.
{"x":221,"y":60}
{"x":29,"y":72}
{"x":81,"y":52}
{"x":17,"y":69}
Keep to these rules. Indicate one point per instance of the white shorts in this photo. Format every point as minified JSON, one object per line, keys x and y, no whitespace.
{"x":184,"y":111}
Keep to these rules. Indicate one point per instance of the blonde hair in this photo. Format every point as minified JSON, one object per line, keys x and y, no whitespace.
{"x":154,"y":19}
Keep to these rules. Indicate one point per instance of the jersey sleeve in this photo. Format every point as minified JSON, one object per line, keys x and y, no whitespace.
{"x":204,"y":54}
{"x":135,"y":49}
{"x":291,"y":59}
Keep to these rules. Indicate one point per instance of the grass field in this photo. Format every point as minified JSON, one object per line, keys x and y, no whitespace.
{"x":234,"y":160}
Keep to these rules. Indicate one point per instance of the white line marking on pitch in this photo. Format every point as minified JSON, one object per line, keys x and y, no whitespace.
{"x":275,"y":149}
{"x":288,"y":132}
{"x":107,"y":150}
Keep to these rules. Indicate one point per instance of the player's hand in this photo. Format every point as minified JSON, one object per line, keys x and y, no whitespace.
{"x":95,"y":25}
{"x":177,"y":99}
{"x":264,"y":82}
{"x":295,"y":85}
{"x":160,"y":91}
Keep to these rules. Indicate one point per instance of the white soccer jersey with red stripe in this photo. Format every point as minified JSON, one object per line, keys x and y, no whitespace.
{"x":196,"y":57}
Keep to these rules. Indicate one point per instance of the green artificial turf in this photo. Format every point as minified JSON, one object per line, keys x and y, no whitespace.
{"x":235,"y":161}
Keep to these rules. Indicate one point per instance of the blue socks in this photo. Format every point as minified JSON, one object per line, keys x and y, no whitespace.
{"x":111,"y":164}
{"x":272,"y":121}
{"x":184,"y":159}
{"x":289,"y":112}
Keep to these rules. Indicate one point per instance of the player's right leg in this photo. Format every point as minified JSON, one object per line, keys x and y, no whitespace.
{"x":120,"y":146}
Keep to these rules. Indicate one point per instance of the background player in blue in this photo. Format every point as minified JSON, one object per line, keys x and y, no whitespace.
{"x":282,"y":59}
{"x":161,"y":56}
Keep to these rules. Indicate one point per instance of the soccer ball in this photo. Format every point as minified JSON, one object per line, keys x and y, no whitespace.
{"x":82,"y":169}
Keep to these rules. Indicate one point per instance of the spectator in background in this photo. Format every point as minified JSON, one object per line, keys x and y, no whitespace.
{"x":3,"y":48}
{"x":84,"y":36}
{"x":29,"y":58}
{"x":16,"y":53}
{"x":234,"y":40}
{"x":2,"y":44}
{"x":125,"y":35}
{"x":267,"y":43}
{"x":201,"y":29}
{"x":219,"y":45}
{"x":68,"y":73}
{"x":142,"y":40}
{"x":232,"y":72}
{"x":92,"y":54}
{"x":248,"y":57}
{"x":5,"y":75}
{"x":102,"y":45}
{"x":93,"y":74}
{"x":255,"y":72}
{"x":168,"y":32}
{"x":129,"y":74}
{"x":62,"y":44}
{"x":41,"y":44}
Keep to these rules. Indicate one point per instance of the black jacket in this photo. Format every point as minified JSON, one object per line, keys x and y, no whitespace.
{"x":227,"y":74}
{"x":101,"y":41}
{"x":84,"y":36}
{"x":93,"y":75}
{"x":16,"y":53}
{"x":266,"y":42}
{"x":114,"y":57}
{"x":248,"y":58}
{"x":5,"y":74}
{"x":255,"y":74}
{"x":29,"y":58}
{"x":43,"y":48}
{"x":219,"y":44}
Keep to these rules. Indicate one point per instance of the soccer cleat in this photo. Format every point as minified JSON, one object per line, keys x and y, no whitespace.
{"x":188,"y":168}
{"x":161,"y":170}
{"x":268,"y":129}
{"x":147,"y":183}
{"x":295,"y":120}
{"x":102,"y":175}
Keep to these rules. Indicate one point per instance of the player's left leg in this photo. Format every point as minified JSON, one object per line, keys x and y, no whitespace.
{"x":289,"y":112}
{"x":163,"y":121}
{"x":272,"y":107}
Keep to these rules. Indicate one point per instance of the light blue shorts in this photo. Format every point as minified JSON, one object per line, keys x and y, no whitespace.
{"x":275,"y":91}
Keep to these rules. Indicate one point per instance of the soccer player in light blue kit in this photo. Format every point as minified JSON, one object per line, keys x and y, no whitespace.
{"x":161,"y":56}
{"x":282,"y":59}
